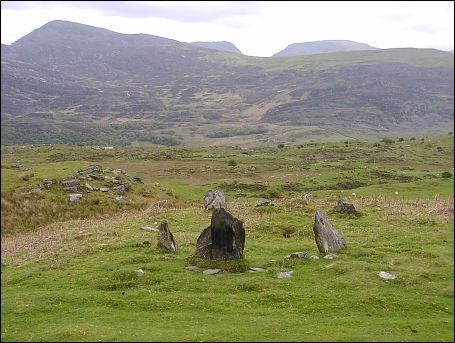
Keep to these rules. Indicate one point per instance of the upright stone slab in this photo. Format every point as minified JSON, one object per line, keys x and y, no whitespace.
{"x":214,"y":199}
{"x":224,"y":239}
{"x":327,"y":238}
{"x":165,"y":238}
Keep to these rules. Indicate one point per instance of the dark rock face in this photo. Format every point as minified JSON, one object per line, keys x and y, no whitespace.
{"x":345,"y":207}
{"x":224,"y":239}
{"x":165,"y":238}
{"x":327,"y":238}
{"x":137,"y":178}
{"x":214,"y":199}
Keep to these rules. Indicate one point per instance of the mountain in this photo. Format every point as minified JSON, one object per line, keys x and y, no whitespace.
{"x":72,"y":83}
{"x":220,"y":46}
{"x":322,"y":46}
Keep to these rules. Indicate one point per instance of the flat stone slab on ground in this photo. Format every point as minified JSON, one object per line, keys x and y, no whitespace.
{"x":387,"y":276}
{"x":299,"y":254}
{"x":283,"y":275}
{"x":254,"y":270}
{"x":211,"y":271}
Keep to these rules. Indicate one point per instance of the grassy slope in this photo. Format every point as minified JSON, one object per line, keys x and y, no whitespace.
{"x":75,"y":280}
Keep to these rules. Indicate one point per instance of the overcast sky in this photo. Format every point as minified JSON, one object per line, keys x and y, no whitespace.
{"x":257,"y":28}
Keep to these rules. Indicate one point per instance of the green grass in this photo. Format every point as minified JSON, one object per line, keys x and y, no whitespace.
{"x":74,"y":279}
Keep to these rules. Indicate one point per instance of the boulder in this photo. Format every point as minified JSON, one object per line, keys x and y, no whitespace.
{"x":165,"y":238}
{"x":75,"y":197}
{"x":214,"y":199}
{"x":70,"y":182}
{"x":327,"y":238}
{"x":94,"y":167}
{"x":345,"y":207}
{"x":71,"y":189}
{"x":224,"y":239}
{"x":47,"y":183}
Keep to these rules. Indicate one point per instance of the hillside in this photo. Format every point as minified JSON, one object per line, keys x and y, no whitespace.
{"x":322,"y":46}
{"x":77,"y":84}
{"x":220,"y":46}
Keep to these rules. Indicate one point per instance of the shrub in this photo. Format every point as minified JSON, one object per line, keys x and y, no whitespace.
{"x":376,"y":144}
{"x":387,"y":140}
{"x":232,"y":163}
{"x":412,"y":139}
{"x":280,"y":146}
{"x":440,"y":149}
{"x":401,"y":139}
{"x":446,"y":175}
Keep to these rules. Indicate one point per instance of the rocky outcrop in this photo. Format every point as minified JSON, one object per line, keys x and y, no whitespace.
{"x":214,"y":199}
{"x":165,"y":238}
{"x":327,"y":238}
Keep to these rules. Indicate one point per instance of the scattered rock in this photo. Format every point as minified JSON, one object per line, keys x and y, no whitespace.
{"x":121,"y":188}
{"x":119,"y":171}
{"x":254,"y":270}
{"x":137,"y":178}
{"x":329,"y":266}
{"x":70,"y":182}
{"x":148,"y":228}
{"x":104,"y":189}
{"x":165,"y":238}
{"x":75,"y":197}
{"x":283,"y":275}
{"x":387,"y":276}
{"x":97,"y":176}
{"x":140,"y":272}
{"x":327,"y":238}
{"x":16,"y":165}
{"x":314,"y":257}
{"x":72,"y":189}
{"x":329,"y":257}
{"x":211,"y":271}
{"x":300,"y":254}
{"x":214,"y":199}
{"x":94,"y":167}
{"x":89,"y":186}
{"x":345,"y":207}
{"x":47,"y":183}
{"x":119,"y":198}
{"x":264,"y":203}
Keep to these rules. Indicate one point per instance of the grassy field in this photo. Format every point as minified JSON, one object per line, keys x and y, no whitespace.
{"x":68,"y":269}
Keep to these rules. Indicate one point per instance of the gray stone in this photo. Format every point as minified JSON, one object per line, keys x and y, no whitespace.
{"x":89,"y":186}
{"x":284,"y":275}
{"x":70,"y":182}
{"x":94,"y":167}
{"x":264,"y":203}
{"x":121,"y":188}
{"x":137,"y":179}
{"x":16,"y":165}
{"x":214,"y":199}
{"x":104,"y":189}
{"x":97,"y":176}
{"x":211,"y":271}
{"x":329,"y":257}
{"x":327,"y":238}
{"x":254,"y":270}
{"x":314,"y":257}
{"x":345,"y":207}
{"x":47,"y":183}
{"x":118,"y":198}
{"x":300,"y":254}
{"x":75,"y":197}
{"x":148,"y":228}
{"x":72,"y":189}
{"x":224,"y":239}
{"x":165,"y":238}
{"x":140,"y":272}
{"x":387,"y":276}
{"x":329,"y":266}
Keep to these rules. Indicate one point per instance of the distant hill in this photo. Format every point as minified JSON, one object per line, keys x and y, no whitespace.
{"x":322,"y":46}
{"x":72,"y":83}
{"x":220,"y":46}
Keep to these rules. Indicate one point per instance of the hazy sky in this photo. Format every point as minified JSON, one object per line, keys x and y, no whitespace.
{"x":257,"y":28}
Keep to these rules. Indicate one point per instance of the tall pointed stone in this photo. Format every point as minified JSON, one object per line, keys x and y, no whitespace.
{"x":165,"y":238}
{"x":224,"y":239}
{"x":327,"y":238}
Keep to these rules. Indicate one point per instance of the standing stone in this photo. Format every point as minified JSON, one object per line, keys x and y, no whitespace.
{"x":327,"y":238}
{"x":214,"y":199}
{"x":345,"y":207}
{"x":224,"y":239}
{"x":165,"y":238}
